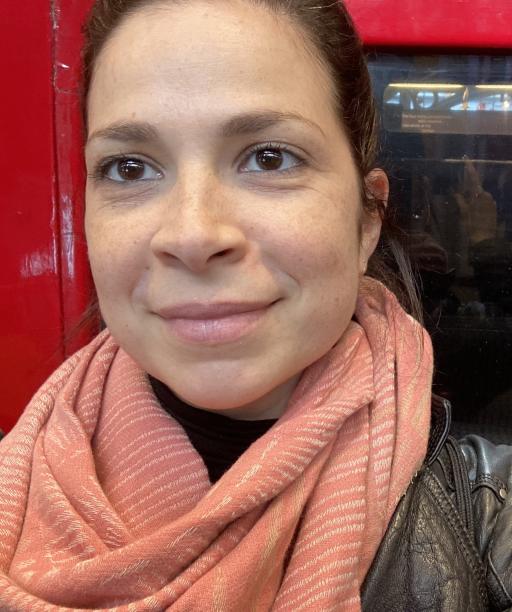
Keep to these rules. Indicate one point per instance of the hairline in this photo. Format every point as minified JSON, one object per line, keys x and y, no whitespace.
{"x":310,"y":47}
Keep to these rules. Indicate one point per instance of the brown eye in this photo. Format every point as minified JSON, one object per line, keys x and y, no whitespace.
{"x":269,"y":159}
{"x":131,"y":169}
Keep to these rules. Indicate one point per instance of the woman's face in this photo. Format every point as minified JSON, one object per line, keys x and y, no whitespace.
{"x":223,"y":220}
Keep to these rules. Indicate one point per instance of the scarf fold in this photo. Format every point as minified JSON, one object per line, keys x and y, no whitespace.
{"x":106,"y":505}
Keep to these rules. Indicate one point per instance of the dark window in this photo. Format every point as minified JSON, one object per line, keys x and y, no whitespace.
{"x":447,"y":147}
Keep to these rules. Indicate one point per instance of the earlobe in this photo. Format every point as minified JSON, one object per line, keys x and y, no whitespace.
{"x":377,"y":188}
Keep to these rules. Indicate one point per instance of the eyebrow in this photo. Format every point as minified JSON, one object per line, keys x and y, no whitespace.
{"x":244,"y":124}
{"x":251,"y":123}
{"x":137,"y":131}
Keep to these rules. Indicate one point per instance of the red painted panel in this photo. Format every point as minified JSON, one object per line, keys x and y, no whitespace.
{"x":75,"y":276}
{"x":29,"y":225}
{"x":434,"y":23}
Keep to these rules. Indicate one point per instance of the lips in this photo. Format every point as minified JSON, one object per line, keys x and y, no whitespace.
{"x":214,"y":323}
{"x":195,"y":310}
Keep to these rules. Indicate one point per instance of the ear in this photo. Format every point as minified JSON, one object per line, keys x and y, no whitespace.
{"x":377,"y":186}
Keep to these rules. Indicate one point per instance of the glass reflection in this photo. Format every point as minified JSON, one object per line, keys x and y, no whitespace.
{"x":447,"y":138}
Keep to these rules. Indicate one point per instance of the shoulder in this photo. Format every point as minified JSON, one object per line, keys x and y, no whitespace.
{"x":489,"y":472}
{"x":447,"y":546}
{"x":489,"y":466}
{"x":476,"y":475}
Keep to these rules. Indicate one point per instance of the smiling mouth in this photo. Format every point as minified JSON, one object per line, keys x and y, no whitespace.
{"x":209,"y":324}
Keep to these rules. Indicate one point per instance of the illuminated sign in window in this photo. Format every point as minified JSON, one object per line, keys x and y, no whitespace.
{"x":448,"y":108}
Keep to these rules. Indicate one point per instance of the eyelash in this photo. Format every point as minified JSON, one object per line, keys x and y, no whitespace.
{"x":100,"y":171}
{"x":276,"y":146}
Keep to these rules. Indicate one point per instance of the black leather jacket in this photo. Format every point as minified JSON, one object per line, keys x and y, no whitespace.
{"x":448,"y":547}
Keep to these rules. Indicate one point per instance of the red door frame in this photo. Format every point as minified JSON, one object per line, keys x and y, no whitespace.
{"x":45,"y":283}
{"x":30,"y":295}
{"x":463,"y":24}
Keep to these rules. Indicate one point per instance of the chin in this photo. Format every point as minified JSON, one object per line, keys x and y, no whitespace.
{"x":231,"y":397}
{"x":216,"y":398}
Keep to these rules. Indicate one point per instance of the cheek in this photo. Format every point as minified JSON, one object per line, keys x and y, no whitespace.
{"x":115,"y":254}
{"x":319,"y":246}
{"x":330,"y":277}
{"x":315,"y":257}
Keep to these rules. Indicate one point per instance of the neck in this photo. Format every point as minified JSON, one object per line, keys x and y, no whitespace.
{"x":270,"y":406}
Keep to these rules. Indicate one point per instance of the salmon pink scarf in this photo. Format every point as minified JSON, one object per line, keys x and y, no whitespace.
{"x":106,"y":505}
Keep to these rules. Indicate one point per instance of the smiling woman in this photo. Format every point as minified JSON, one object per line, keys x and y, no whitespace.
{"x":224,"y":240}
{"x":240,"y":435}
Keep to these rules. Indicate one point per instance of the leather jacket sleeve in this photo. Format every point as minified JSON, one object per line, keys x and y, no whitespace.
{"x":489,"y":469}
{"x":448,"y":546}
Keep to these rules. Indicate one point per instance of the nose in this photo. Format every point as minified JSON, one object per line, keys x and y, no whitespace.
{"x":197,"y":226}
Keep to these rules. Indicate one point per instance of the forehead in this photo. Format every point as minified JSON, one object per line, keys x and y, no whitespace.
{"x":189,"y":58}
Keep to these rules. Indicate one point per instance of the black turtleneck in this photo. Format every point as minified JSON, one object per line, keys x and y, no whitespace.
{"x":219,"y":439}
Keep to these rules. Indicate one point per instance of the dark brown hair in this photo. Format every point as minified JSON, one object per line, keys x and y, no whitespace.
{"x":329,"y":28}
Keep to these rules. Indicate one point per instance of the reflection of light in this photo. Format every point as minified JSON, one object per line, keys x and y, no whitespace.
{"x":426,"y":99}
{"x":495,"y":87}
{"x":506,"y":104}
{"x":68,"y":241}
{"x":38,"y":264}
{"x":427,"y":85}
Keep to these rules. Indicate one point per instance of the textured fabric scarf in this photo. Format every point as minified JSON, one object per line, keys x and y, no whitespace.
{"x":105,"y":504}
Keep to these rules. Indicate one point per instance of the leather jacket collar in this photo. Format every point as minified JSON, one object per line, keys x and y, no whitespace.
{"x":440,"y":424}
